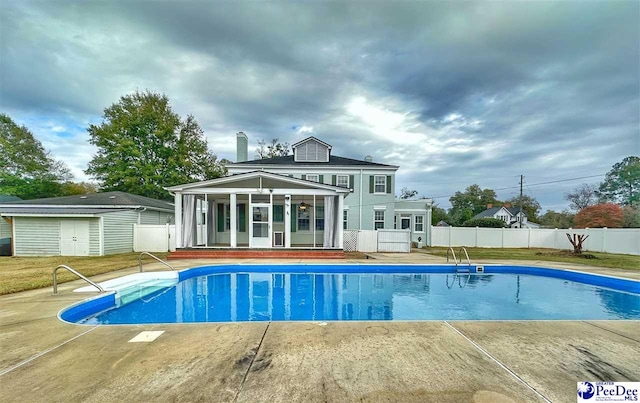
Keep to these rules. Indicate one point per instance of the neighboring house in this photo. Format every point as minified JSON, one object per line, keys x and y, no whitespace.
{"x":85,"y":225}
{"x":512,"y":216}
{"x":302,"y":200}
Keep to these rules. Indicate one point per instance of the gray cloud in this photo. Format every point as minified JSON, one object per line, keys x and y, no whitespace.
{"x":454,"y":93}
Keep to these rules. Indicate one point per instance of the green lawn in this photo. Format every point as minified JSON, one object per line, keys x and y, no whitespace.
{"x":631,"y":262}
{"x":28,"y":273}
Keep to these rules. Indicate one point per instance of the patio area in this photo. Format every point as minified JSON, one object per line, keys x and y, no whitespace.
{"x":45,"y":359}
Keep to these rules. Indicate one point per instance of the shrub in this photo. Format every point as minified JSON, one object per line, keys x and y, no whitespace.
{"x":485,"y":222}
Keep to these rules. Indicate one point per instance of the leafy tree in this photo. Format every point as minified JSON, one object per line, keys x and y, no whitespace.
{"x":631,"y":216}
{"x":530,"y":205}
{"x":601,"y":215}
{"x":144,"y":146}
{"x":486,"y":222}
{"x":583,"y":196}
{"x":554,"y":219}
{"x":622,"y":183}
{"x":273,"y":149}
{"x":406,"y":194}
{"x":465,"y":205}
{"x":439,"y":214}
{"x":78,"y":188}
{"x":27,"y":170}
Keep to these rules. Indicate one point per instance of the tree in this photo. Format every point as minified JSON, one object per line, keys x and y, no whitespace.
{"x":405,"y":193}
{"x":631,"y":216}
{"x":27,"y":170}
{"x":583,"y":196}
{"x":439,"y":214}
{"x":486,"y":222}
{"x":465,"y":205}
{"x":530,"y":205}
{"x":273,"y":149}
{"x":576,"y":241}
{"x":622,"y":183}
{"x":554,"y":219}
{"x":144,"y":146}
{"x":601,"y":215}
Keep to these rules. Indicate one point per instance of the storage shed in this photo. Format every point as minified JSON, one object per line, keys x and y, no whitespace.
{"x":86,"y":225}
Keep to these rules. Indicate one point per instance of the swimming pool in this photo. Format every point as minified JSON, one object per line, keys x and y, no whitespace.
{"x":234,"y":293}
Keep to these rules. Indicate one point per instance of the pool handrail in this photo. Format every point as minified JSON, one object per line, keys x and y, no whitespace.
{"x":63,"y":266}
{"x":155,"y":257}
{"x":453,"y":253}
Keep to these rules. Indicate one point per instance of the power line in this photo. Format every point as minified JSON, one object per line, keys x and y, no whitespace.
{"x":534,"y":184}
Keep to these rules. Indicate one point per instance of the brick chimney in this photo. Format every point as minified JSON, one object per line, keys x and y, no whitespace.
{"x":489,"y":205}
{"x":507,"y":205}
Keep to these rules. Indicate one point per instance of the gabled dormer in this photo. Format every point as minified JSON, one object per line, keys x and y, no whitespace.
{"x":311,"y":150}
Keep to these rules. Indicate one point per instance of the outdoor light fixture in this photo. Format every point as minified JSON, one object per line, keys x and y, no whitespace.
{"x":302,"y":206}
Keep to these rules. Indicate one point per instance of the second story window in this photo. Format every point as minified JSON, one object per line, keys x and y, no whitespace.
{"x":313,"y":178}
{"x":342,"y":181}
{"x":380,"y":184}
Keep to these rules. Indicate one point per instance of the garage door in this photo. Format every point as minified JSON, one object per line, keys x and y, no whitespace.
{"x":74,"y":238}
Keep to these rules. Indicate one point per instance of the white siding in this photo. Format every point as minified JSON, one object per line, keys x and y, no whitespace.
{"x":5,"y":229}
{"x":37,"y":236}
{"x":94,"y":237}
{"x":118,"y":231}
{"x":150,"y":217}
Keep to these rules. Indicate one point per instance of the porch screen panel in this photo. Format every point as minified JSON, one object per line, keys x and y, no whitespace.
{"x":188,"y":220}
{"x":331,"y":222}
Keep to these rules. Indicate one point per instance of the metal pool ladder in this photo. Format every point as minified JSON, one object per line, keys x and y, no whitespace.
{"x":455,"y":260}
{"x":62,"y":266}
{"x":155,"y":257}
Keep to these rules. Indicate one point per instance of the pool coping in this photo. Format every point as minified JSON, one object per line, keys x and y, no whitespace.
{"x":90,"y":305}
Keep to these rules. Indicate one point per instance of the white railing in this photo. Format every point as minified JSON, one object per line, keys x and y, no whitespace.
{"x":382,"y":240}
{"x":154,"y":238}
{"x":611,"y":240}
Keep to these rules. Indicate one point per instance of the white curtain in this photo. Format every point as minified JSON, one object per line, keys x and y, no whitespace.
{"x":331,"y":222}
{"x":188,"y":220}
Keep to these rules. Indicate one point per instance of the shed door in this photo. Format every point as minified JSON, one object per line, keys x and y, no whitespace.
{"x":74,"y":238}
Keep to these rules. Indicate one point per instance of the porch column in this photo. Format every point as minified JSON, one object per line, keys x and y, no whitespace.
{"x":233,"y":218}
{"x":177,"y":199}
{"x":340,"y":219}
{"x":287,"y":221}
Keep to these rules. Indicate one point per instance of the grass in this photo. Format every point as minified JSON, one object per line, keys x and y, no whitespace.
{"x":29,"y":273}
{"x":611,"y":260}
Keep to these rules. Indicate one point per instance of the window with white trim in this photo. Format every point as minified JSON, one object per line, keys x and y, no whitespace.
{"x":303,"y":219}
{"x":313,"y":178}
{"x":342,"y":181}
{"x":379,"y":184}
{"x":378,"y":219}
{"x":419,"y":224}
{"x":345,"y":219}
{"x":319,"y":218}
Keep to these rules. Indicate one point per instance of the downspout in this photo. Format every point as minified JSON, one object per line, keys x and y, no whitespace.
{"x":139,"y":212}
{"x":360,"y":208}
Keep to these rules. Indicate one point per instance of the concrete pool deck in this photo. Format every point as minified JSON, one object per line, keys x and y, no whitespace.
{"x":44,"y":359}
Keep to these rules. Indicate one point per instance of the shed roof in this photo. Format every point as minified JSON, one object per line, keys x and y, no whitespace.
{"x":98,"y":200}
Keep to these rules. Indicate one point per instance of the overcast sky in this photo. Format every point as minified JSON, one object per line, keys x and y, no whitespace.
{"x":455,"y":93}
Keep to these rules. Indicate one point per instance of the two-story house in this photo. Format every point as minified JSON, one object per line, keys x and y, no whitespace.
{"x":304,"y":200}
{"x":512,"y":216}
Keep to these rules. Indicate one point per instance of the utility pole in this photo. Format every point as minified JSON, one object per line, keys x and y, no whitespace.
{"x":521,"y":180}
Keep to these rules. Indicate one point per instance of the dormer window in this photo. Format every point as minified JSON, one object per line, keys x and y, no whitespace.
{"x":311,"y":150}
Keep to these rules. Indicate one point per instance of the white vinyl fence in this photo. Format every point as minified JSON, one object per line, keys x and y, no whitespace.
{"x":154,"y":238}
{"x":611,"y":240}
{"x":386,"y":240}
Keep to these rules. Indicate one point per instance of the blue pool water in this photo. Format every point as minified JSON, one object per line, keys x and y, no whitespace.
{"x":265,"y":296}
